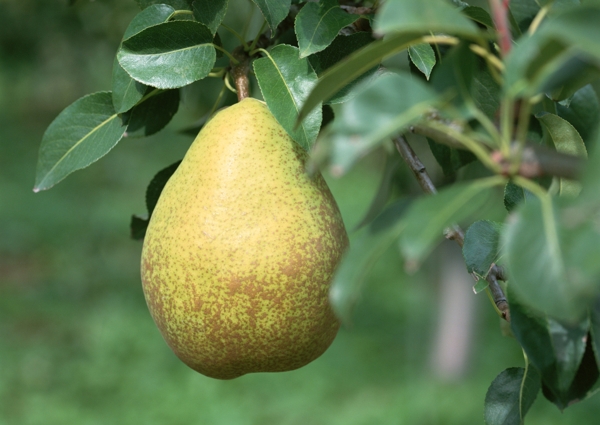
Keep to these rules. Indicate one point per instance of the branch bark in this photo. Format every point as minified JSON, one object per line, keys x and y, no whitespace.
{"x":455,"y":232}
{"x":239,"y":73}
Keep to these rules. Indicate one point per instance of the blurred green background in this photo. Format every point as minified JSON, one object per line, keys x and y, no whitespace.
{"x":77,"y":344}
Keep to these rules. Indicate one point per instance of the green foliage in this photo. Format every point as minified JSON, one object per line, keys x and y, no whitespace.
{"x":286,"y":80}
{"x":481,"y":106}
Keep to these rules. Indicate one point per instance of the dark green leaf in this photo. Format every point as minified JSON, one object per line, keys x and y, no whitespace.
{"x":274,"y":11}
{"x":573,"y":73}
{"x":514,"y":195}
{"x":451,"y":160}
{"x":347,"y":70}
{"x":486,"y":93}
{"x":380,"y":109}
{"x":285,"y":81}
{"x":482,"y":246}
{"x":552,"y":259}
{"x":126,"y":92}
{"x":479,"y":15}
{"x":424,"y":17}
{"x":427,"y":218}
{"x":176,"y":4}
{"x":169,"y":55}
{"x":139,"y":224}
{"x":595,"y":329}
{"x":511,"y":395}
{"x":81,"y":134}
{"x":152,"y":15}
{"x":341,"y":47}
{"x":366,"y":248}
{"x":523,"y":12}
{"x":153,"y":114}
{"x":566,"y":140}
{"x":210,"y":13}
{"x":583,"y":112}
{"x":317,"y":24}
{"x":423,"y":57}
{"x":137,"y":227}
{"x":557,"y":350}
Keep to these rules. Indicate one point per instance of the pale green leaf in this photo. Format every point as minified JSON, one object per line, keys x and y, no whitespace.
{"x":423,"y":57}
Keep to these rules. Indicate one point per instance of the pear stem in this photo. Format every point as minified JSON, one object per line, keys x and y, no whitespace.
{"x":239,"y":73}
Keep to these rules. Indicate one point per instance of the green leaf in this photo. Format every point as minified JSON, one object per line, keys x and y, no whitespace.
{"x":285,"y":81}
{"x":347,"y":70}
{"x":367,"y":246}
{"x":339,"y":49}
{"x":169,"y":55}
{"x":317,"y":24}
{"x":126,"y":92}
{"x":511,"y":395}
{"x":486,"y":93}
{"x":210,"y":13}
{"x":523,"y":12}
{"x":429,"y":216}
{"x":566,"y":140}
{"x":381,"y":108}
{"x":479,"y":15}
{"x":552,"y":259}
{"x":423,"y":57}
{"x":152,"y":15}
{"x":561,"y":352}
{"x":514,"y":195}
{"x":402,"y":16}
{"x":595,"y":329}
{"x":157,"y":184}
{"x":176,"y":4}
{"x":583,"y":112}
{"x":153,"y":114}
{"x":274,"y":11}
{"x":81,"y":134}
{"x":482,"y":246}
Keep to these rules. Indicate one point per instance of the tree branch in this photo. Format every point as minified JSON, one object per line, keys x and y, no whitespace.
{"x":536,"y":160}
{"x":454,"y":233}
{"x":240,"y":71}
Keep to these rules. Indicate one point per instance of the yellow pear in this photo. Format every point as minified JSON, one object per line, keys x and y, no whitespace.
{"x":241,"y":249}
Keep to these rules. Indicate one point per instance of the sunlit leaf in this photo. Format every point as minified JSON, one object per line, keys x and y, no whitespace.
{"x":425,"y":17}
{"x":285,"y":81}
{"x":347,"y":70}
{"x":423,"y":57}
{"x":169,"y":55}
{"x":317,"y":24}
{"x":511,"y":395}
{"x":80,"y":135}
{"x":176,"y":4}
{"x":427,"y":218}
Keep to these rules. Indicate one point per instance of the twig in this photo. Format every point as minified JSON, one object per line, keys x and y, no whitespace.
{"x":240,"y":71}
{"x":536,"y":160}
{"x":499,"y":10}
{"x":454,"y":233}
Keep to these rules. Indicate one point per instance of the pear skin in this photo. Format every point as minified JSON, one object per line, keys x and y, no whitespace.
{"x":241,"y":249}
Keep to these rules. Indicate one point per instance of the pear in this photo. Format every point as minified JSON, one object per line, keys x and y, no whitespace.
{"x":241,"y":248}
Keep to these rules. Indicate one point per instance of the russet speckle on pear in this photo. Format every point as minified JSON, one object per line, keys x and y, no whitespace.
{"x":241,"y":249}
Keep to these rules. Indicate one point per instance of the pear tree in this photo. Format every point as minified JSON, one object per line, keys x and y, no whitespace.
{"x":504,"y":95}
